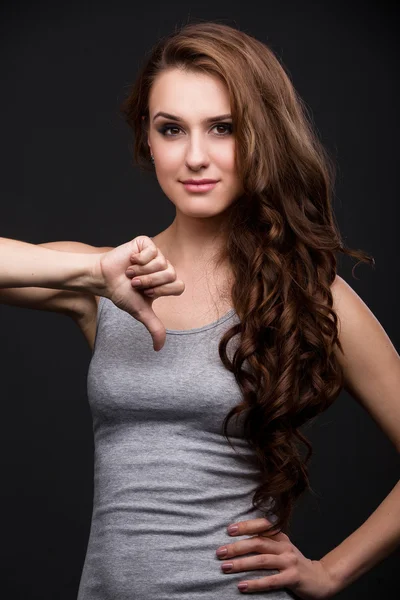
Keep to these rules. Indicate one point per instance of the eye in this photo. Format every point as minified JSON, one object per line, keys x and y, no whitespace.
{"x":163,"y":130}
{"x":227,"y":126}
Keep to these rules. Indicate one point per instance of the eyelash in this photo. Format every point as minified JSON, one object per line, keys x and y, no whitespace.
{"x":165,"y":128}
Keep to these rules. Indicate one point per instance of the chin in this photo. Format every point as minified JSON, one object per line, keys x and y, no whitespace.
{"x":199,"y":212}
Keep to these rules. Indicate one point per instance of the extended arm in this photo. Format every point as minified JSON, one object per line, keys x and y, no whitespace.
{"x":25,"y":265}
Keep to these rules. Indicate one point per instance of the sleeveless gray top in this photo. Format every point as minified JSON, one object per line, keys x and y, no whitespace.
{"x":166,"y":481}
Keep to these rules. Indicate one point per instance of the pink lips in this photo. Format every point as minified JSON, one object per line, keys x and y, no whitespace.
{"x":200,"y":187}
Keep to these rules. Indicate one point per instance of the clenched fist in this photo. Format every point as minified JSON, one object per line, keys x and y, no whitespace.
{"x":155,"y":272}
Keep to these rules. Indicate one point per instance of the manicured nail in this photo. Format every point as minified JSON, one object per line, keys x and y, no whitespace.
{"x":233,"y":529}
{"x":222,"y":552}
{"x":136,"y":282}
{"x":242,"y":586}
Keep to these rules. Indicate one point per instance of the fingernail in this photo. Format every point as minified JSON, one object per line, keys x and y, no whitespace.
{"x":242,"y":586}
{"x":136,"y":282}
{"x":222,"y":552}
{"x":233,"y":529}
{"x":227,"y":567}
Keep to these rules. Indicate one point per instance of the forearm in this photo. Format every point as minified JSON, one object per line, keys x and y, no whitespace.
{"x":24,"y":265}
{"x":373,"y":541}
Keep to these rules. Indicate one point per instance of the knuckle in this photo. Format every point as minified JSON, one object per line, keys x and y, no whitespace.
{"x":163,"y":263}
{"x":291,"y":560}
{"x":137,"y":313}
{"x":170,"y":266}
{"x":139,"y":260}
{"x":273,"y":582}
{"x":294,"y":577}
{"x":232,"y":550}
{"x":263,"y":560}
{"x":171,"y":275}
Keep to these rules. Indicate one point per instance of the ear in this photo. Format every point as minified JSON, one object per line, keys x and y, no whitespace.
{"x":145,"y":124}
{"x":143,"y":118}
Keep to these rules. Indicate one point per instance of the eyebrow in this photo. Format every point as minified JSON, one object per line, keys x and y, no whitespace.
{"x":175,"y":118}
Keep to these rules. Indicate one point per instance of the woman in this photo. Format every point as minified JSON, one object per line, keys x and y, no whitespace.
{"x":258,"y":326}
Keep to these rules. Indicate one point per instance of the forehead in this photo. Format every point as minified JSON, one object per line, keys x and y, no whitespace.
{"x":186,"y":93}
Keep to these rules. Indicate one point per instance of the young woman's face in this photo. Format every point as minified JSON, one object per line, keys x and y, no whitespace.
{"x":194,"y":141}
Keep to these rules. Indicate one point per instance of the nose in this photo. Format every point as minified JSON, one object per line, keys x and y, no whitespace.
{"x":196,"y":153}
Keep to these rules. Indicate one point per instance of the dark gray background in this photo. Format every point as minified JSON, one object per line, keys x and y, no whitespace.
{"x":66,"y":175}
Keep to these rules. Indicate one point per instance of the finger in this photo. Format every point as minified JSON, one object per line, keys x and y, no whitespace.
{"x":251,"y":526}
{"x":154,"y":326}
{"x":159,"y":263}
{"x":271,"y":582}
{"x":147,"y":251}
{"x":251,"y":563}
{"x":176,"y":288}
{"x":155,"y":279}
{"x":254,"y":544}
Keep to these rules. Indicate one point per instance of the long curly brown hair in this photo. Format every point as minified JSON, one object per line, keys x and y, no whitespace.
{"x":281,"y":243}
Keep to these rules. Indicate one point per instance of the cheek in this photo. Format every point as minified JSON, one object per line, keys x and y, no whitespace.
{"x":169,"y":158}
{"x":168,"y":169}
{"x":225,"y":159}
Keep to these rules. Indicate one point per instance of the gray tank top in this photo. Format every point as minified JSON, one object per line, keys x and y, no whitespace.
{"x":166,"y":481}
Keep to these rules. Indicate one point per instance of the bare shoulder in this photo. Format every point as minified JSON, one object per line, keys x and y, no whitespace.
{"x":351,"y":310}
{"x":349,"y":307}
{"x":371,"y":363}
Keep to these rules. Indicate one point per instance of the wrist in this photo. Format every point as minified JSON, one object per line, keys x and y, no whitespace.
{"x":96,"y":279}
{"x":88,"y":275}
{"x":330,"y":566}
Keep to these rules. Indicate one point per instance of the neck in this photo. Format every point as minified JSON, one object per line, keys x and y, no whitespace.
{"x":192,"y":244}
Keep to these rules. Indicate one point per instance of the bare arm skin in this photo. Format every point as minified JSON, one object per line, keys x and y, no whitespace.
{"x":372,"y":376}
{"x":23,"y":264}
{"x":91,"y":274}
{"x":74,"y":304}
